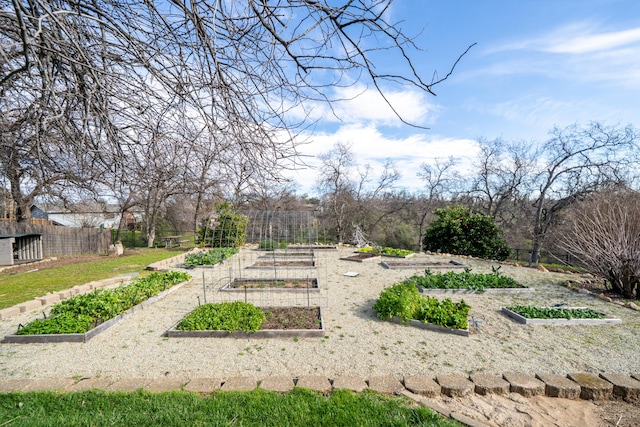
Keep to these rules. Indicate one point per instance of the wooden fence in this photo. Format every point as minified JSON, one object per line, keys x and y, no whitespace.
{"x":58,"y":241}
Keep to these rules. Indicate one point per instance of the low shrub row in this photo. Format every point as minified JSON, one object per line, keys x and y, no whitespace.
{"x":81,"y":313}
{"x":462,"y":280}
{"x":403,"y":300}
{"x":211,"y":257}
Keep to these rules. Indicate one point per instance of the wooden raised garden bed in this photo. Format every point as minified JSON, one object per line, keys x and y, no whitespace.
{"x":551,"y":320}
{"x":313,"y":247}
{"x":362,"y":257}
{"x":393,"y":265}
{"x":475,"y":291}
{"x":301,"y":285}
{"x":287,"y":263}
{"x":431,"y":327}
{"x":84,"y":337}
{"x":281,"y":322}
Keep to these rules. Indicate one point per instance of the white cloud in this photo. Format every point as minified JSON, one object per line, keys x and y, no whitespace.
{"x":371,"y":147}
{"x":584,"y":43}
{"x":359,"y":104}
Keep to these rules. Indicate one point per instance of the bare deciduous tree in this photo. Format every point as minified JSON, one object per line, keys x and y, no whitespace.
{"x":337,"y":185}
{"x":82,"y":75}
{"x":575,"y":162}
{"x":603,"y":234}
{"x":502,"y":177}
{"x":439,"y":179}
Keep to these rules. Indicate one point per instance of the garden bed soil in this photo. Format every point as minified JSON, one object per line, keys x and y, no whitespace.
{"x":559,"y":322}
{"x":393,"y":265}
{"x":313,"y":247}
{"x":362,"y":257}
{"x":290,"y":253}
{"x":279,"y":259}
{"x":302,"y":256}
{"x":283,"y":263}
{"x":310,"y":284}
{"x":431,"y":327}
{"x":280,"y":322}
{"x":54,"y":338}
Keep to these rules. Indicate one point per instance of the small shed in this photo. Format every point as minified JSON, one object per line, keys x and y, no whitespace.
{"x":17,"y":248}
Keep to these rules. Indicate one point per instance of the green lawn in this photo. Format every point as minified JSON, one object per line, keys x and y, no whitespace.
{"x":256,"y":408}
{"x":19,"y":287}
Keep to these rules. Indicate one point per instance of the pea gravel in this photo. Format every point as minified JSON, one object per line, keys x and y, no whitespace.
{"x":355,"y":342}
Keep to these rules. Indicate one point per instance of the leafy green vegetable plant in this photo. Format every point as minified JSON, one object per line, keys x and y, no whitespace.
{"x":83,"y":312}
{"x":462,"y":280}
{"x":211,"y":257}
{"x":533,"y":312}
{"x":369,"y":250}
{"x":225,"y":316}
{"x":404,"y":301}
{"x":396,"y":252}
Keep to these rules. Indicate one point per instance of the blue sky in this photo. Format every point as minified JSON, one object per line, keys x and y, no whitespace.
{"x":536,"y":64}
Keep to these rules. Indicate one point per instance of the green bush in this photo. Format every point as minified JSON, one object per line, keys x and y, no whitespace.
{"x":227,"y":230}
{"x":459,"y":231}
{"x":404,"y":301}
{"x":225,"y":316}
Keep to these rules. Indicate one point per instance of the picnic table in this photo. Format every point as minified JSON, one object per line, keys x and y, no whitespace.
{"x":171,"y":241}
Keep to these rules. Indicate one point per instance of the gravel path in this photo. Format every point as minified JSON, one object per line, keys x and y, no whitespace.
{"x":356,"y":343}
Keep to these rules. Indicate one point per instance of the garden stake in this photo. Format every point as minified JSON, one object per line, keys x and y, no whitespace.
{"x":204,"y":288}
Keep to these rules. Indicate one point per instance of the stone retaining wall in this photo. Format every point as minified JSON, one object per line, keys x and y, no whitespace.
{"x":572,"y":386}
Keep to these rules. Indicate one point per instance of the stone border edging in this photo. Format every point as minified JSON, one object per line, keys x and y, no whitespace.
{"x":559,"y":322}
{"x":55,"y":338}
{"x":263,"y":333}
{"x":591,"y":387}
{"x":53,"y":297}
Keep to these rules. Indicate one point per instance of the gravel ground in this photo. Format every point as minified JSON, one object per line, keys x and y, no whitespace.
{"x":355,"y":342}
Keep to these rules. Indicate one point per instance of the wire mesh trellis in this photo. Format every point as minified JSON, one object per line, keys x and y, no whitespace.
{"x":285,"y":228}
{"x":217,"y":282}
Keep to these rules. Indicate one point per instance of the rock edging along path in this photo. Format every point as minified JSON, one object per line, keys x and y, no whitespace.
{"x":54,"y":297}
{"x":575,"y":386}
{"x":84,"y":337}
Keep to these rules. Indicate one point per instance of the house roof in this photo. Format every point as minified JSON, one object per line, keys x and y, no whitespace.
{"x":8,"y":236}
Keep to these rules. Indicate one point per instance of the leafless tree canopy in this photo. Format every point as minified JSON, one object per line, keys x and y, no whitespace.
{"x":83,"y":85}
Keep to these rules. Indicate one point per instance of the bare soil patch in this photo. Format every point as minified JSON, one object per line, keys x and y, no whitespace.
{"x":286,"y":263}
{"x":291,"y":318}
{"x":273,"y":283}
